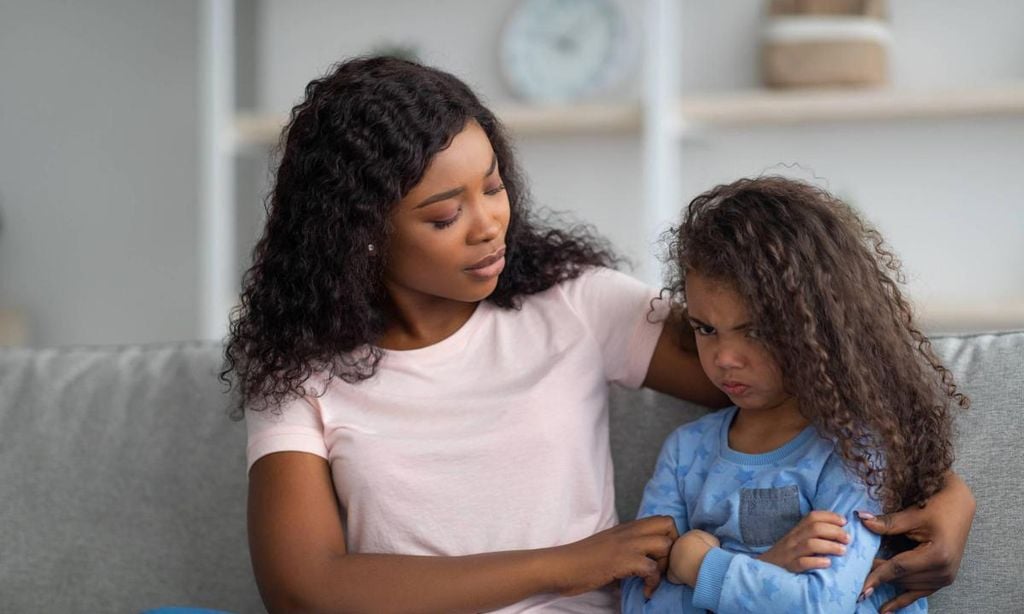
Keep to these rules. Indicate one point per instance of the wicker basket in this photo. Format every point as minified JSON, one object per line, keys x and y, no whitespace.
{"x":819,"y":43}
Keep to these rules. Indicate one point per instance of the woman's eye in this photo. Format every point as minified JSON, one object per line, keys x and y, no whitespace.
{"x":445,"y":223}
{"x":494,"y":191}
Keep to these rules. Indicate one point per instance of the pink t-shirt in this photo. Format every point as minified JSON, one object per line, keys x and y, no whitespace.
{"x":495,"y":438}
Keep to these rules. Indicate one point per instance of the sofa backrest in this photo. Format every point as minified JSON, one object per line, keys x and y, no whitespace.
{"x":122,"y":481}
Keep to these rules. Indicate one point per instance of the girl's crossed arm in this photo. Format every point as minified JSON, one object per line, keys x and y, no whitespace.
{"x":730,"y":582}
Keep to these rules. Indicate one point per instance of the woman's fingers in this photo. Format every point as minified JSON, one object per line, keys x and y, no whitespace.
{"x":907,"y":522}
{"x":903,"y":600}
{"x":655,"y":546}
{"x":657,"y":525}
{"x":903,"y":565}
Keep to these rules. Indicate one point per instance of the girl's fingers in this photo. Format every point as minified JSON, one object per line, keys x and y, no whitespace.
{"x":824,"y":546}
{"x":822,"y":530}
{"x":825,"y":516}
{"x":807,"y":563}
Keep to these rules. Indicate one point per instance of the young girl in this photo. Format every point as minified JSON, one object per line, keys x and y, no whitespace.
{"x":840,"y":405}
{"x":424,"y":368}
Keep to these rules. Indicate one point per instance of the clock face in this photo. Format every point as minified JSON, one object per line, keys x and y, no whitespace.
{"x":563,"y":50}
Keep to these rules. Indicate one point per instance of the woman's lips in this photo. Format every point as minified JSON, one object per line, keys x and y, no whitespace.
{"x":489,"y":267}
{"x":735,"y":389}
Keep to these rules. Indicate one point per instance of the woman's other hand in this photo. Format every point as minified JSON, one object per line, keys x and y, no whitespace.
{"x":940,"y":527}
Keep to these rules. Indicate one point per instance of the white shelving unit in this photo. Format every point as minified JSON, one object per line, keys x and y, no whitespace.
{"x":751,"y":108}
{"x":663,"y":118}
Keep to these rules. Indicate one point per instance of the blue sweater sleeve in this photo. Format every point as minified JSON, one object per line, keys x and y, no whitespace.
{"x":730,"y":582}
{"x":662,"y":496}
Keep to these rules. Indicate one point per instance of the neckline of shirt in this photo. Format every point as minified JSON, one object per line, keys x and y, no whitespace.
{"x":450,"y":345}
{"x":765,"y":458}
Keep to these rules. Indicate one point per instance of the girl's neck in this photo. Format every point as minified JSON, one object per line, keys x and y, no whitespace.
{"x":423,"y":321}
{"x":761,"y":430}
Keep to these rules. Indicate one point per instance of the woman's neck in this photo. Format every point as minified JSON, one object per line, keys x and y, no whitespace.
{"x":421,"y":321}
{"x":756,"y":431}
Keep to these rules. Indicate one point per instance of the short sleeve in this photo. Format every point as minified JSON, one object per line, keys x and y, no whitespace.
{"x":624,"y":315}
{"x":297,"y":428}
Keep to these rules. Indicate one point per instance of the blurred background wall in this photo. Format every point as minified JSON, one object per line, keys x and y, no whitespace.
{"x":100,"y":139}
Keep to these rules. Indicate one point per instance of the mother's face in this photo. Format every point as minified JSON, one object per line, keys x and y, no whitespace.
{"x":448,"y":232}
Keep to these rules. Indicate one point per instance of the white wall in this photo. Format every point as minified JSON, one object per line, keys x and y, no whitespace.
{"x":946,"y":193}
{"x":98,"y":144}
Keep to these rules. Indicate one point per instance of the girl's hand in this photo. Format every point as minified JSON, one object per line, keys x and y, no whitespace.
{"x":637,"y":548}
{"x":687,"y":555}
{"x":941,"y":529}
{"x":818,"y":533}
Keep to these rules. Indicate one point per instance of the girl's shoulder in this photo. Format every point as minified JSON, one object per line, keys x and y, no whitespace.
{"x":694,"y":436}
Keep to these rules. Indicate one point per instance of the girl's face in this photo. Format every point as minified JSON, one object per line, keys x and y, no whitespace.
{"x":730,"y":352}
{"x":448,"y":238}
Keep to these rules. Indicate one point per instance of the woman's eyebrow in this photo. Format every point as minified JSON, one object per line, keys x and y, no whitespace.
{"x":439,"y":197}
{"x":444,"y":195}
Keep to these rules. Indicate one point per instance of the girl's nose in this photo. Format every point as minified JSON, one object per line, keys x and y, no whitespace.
{"x":728,"y":358}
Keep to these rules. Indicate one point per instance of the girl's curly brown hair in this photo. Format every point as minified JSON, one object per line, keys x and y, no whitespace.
{"x":823,"y":291}
{"x":314,"y":299}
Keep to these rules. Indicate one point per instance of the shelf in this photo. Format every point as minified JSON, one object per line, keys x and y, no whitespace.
{"x":971,"y":317}
{"x":742,"y":108}
{"x":252,"y":129}
{"x":771,"y":107}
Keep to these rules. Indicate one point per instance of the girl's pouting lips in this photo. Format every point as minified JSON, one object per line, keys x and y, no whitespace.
{"x":734,"y":389}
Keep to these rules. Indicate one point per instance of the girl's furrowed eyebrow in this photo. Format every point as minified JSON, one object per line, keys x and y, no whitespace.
{"x":743,"y":326}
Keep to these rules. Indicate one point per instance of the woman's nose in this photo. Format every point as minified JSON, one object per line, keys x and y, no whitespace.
{"x":487,"y":223}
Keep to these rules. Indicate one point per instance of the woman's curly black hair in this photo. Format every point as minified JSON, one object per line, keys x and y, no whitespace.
{"x":314,"y":300}
{"x":824,"y":294}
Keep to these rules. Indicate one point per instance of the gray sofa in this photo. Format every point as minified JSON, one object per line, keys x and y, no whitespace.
{"x":122,"y":481}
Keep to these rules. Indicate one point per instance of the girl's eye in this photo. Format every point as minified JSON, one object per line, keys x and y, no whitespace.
{"x":753,"y":334}
{"x":496,"y":190}
{"x":704,"y":330}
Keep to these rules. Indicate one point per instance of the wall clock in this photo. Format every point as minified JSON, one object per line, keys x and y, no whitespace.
{"x":564,"y":50}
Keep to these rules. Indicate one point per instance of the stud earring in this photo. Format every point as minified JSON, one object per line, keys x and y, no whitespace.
{"x":370,"y":248}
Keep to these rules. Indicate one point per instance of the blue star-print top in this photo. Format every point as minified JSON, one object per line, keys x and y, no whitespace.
{"x":749,"y":502}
